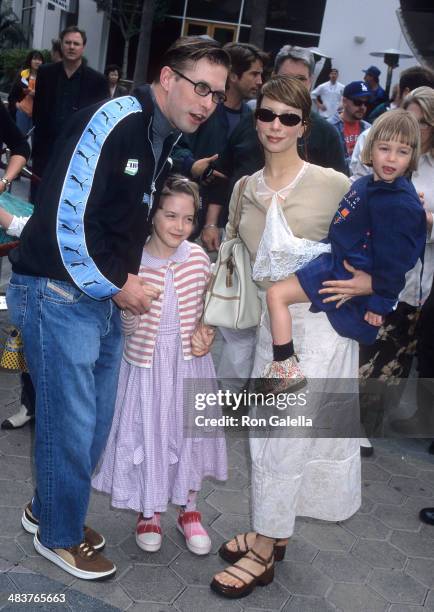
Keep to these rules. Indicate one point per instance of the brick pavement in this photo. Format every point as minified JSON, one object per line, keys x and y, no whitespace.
{"x":382,"y":559}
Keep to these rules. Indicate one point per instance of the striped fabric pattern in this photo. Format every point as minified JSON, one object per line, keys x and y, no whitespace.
{"x":191,"y":272}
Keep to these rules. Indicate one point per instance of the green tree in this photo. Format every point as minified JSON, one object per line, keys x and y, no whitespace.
{"x":135,"y":17}
{"x":126,"y":14}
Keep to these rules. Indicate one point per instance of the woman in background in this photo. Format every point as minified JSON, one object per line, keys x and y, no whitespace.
{"x":23,"y":92}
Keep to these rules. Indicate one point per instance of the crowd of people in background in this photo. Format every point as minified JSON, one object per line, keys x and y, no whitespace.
{"x":311,"y":151}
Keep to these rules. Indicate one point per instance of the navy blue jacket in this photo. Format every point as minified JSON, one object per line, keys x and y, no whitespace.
{"x":91,"y":218}
{"x":380,"y":228}
{"x":210,"y":138}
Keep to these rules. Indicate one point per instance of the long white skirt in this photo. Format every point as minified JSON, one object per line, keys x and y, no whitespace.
{"x":315,"y":477}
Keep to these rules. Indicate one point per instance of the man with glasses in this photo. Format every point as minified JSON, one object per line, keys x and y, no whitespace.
{"x":76,"y":268}
{"x":350,"y":123}
{"x":195,"y":152}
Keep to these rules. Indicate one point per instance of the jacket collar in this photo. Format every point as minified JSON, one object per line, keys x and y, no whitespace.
{"x":143,"y":95}
{"x":181,"y":254}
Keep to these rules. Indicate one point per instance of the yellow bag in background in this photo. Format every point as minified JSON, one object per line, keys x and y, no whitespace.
{"x":13,"y":353}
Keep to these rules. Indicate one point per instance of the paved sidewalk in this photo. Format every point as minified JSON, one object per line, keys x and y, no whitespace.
{"x":382,"y":559}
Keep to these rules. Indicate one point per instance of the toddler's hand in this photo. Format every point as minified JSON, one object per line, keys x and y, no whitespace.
{"x":374,"y":319}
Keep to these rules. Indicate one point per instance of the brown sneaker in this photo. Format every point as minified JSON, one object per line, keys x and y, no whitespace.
{"x":281,"y":377}
{"x":82,"y":561}
{"x":31,"y":524}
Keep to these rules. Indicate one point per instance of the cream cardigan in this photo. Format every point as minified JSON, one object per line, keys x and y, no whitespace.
{"x":309,"y":208}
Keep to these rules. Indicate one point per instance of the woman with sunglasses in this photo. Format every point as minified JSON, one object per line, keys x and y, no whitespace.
{"x":315,"y":477}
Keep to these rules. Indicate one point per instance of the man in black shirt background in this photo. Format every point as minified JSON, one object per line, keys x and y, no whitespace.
{"x":61,"y":89}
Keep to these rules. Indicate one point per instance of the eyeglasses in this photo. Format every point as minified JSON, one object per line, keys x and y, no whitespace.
{"x":358,"y":102}
{"x":287,"y":119}
{"x":203,"y":89}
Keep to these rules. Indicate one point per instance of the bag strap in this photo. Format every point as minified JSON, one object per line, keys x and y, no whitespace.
{"x":237,"y":213}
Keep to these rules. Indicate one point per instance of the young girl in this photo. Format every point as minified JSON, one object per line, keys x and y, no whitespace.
{"x":148,"y":461}
{"x":380,"y":227}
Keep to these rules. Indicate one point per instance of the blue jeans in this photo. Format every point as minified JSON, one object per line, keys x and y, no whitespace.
{"x":73,"y":349}
{"x":24,"y":122}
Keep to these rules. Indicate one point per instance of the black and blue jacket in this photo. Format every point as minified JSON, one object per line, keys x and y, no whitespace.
{"x":91,"y":218}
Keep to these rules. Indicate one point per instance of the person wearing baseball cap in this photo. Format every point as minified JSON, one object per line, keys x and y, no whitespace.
{"x":379,"y":96}
{"x":350,"y":124}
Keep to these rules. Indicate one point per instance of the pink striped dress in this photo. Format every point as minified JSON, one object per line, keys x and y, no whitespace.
{"x":148,"y":461}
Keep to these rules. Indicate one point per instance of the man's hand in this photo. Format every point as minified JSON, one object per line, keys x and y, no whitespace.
{"x":373,"y":319}
{"x":136,"y":295}
{"x":210,"y":237}
{"x":200,"y":165}
{"x":202,"y":339}
{"x":343,"y":290}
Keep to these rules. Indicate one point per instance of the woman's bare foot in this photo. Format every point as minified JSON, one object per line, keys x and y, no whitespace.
{"x":242,"y":538}
{"x":264,"y":547}
{"x":250,"y":538}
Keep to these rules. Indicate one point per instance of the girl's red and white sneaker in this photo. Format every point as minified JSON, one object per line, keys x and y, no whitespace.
{"x":148,"y":533}
{"x":196,"y":538}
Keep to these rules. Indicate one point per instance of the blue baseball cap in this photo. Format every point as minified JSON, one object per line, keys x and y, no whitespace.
{"x":373,"y":70}
{"x":356,"y":89}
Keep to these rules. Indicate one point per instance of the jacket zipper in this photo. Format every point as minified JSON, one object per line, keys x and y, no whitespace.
{"x":154,"y":178}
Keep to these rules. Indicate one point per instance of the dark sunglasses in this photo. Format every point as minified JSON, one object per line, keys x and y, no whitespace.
{"x":358,"y":102}
{"x":288,"y":119}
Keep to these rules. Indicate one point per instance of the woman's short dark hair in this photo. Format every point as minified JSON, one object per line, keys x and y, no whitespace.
{"x":190,"y":49}
{"x":113,"y":68}
{"x":31,"y":55}
{"x":73,"y":30}
{"x":288,"y":90}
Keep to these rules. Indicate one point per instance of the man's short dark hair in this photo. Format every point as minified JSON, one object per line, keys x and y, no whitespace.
{"x":243,"y":55}
{"x":191,"y":49}
{"x":113,"y":68}
{"x":73,"y":30}
{"x":416,"y":76}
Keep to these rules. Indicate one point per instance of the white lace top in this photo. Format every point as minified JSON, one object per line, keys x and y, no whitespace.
{"x":280,"y":253}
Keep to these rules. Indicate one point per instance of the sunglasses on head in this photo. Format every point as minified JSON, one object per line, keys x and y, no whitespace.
{"x":288,"y":119}
{"x":358,"y":102}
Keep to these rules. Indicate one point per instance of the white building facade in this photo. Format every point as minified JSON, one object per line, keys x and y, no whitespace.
{"x":352,"y":29}
{"x":346,"y":30}
{"x":44,"y":19}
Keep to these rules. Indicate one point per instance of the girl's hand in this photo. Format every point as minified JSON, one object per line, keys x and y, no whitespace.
{"x":343,"y":290}
{"x":374,"y":319}
{"x":202,"y":340}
